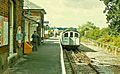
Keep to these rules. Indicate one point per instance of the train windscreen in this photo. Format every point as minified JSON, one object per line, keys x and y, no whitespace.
{"x":71,"y":34}
{"x":66,"y":35}
{"x":76,"y":35}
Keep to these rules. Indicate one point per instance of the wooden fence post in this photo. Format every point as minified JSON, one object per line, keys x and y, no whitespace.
{"x":108,"y":48}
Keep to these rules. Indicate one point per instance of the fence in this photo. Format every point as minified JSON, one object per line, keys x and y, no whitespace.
{"x":108,"y":48}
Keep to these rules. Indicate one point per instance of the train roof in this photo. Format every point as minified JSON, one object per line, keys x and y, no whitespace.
{"x":70,"y":30}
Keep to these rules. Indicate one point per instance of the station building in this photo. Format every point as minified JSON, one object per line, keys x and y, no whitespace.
{"x":10,"y":20}
{"x":34,"y":20}
{"x":16,"y":27}
{"x":4,"y":38}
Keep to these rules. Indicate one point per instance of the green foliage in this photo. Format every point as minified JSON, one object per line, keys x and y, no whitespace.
{"x":117,"y":41}
{"x":105,"y":39}
{"x":90,"y":30}
{"x":111,"y":40}
{"x":86,"y":27}
{"x":93,"y":34}
{"x":83,"y":39}
{"x":112,"y":11}
{"x":104,"y":35}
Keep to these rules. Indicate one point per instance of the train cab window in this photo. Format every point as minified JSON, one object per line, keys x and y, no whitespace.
{"x":76,"y":35}
{"x":66,"y":35}
{"x":71,"y":34}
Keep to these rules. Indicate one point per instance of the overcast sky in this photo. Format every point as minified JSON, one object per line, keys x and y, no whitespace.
{"x":72,"y":13}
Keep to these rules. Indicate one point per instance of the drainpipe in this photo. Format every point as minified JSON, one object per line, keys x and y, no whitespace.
{"x":23,"y":24}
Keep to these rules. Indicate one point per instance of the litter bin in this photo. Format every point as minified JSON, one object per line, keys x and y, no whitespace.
{"x":27,"y":48}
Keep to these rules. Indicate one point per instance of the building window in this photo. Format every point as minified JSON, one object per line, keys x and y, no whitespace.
{"x":3,"y":30}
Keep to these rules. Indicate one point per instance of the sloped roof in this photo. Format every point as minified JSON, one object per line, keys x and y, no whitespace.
{"x":30,"y":5}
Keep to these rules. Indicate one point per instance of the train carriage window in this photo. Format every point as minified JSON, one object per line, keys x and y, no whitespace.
{"x":76,"y":35}
{"x":71,"y":34}
{"x":66,"y":35}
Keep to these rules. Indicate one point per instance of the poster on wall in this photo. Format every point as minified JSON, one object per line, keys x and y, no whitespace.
{"x":1,"y":20}
{"x":5,"y":36}
{"x":3,"y":31}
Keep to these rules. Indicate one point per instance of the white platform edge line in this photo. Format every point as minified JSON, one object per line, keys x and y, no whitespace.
{"x":62,"y":60}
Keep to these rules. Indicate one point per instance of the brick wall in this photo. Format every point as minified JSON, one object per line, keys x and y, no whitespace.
{"x":18,"y":12}
{"x":3,"y":49}
{"x":18,"y":18}
{"x":4,"y":11}
{"x":4,"y":7}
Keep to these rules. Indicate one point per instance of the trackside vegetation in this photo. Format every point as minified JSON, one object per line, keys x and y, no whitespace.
{"x":104,"y":35}
{"x":109,"y":35}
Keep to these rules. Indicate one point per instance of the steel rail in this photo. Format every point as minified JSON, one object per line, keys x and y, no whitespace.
{"x":74,"y":71}
{"x":88,"y":61}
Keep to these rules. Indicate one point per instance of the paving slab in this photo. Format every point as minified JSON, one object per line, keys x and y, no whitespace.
{"x":44,"y":61}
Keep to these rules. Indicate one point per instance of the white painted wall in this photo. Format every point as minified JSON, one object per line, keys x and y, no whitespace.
{"x":26,"y":30}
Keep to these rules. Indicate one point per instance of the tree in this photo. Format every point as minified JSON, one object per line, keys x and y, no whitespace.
{"x":112,"y":11}
{"x":105,"y":31}
{"x":86,"y":27}
{"x":93,"y":33}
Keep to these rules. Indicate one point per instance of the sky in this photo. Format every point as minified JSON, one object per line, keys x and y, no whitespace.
{"x":73,"y":13}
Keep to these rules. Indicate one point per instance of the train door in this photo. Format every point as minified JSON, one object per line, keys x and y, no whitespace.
{"x":71,"y":39}
{"x":77,"y":41}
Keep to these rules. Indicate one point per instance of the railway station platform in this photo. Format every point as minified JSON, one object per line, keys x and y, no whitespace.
{"x":46,"y":60}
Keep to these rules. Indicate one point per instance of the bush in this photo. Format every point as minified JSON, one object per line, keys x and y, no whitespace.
{"x":112,"y":40}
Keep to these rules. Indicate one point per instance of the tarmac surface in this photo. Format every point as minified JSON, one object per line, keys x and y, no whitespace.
{"x":44,"y":61}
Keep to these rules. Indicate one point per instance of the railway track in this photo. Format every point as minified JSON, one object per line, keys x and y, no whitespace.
{"x":71,"y":61}
{"x":85,"y":59}
{"x":80,"y":57}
